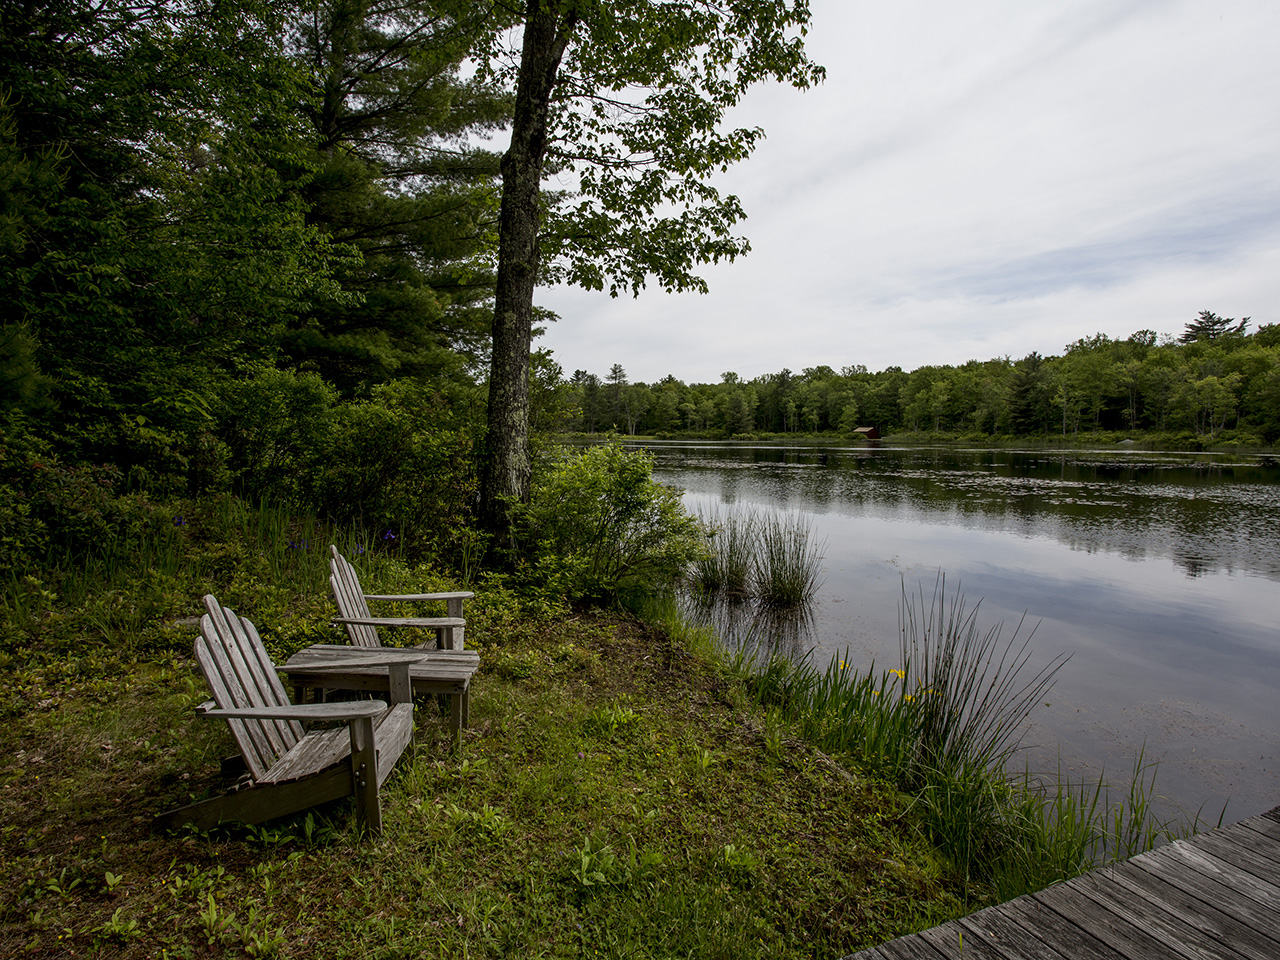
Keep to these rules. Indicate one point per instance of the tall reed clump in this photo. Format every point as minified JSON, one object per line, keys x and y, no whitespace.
{"x":726,"y":564}
{"x":787,"y":563}
{"x":971,"y":693}
{"x":770,"y":557}
{"x":945,"y":727}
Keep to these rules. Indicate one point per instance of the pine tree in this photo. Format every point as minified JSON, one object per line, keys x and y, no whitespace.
{"x":1209,"y":326}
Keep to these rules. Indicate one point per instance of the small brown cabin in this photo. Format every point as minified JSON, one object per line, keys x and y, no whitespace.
{"x":871,"y":433}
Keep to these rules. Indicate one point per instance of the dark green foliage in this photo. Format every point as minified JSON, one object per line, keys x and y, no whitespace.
{"x":396,"y":179}
{"x":399,"y":461}
{"x":1209,"y":326}
{"x":601,"y":523}
{"x":194,"y":193}
{"x":156,"y":237}
{"x":1029,"y":396}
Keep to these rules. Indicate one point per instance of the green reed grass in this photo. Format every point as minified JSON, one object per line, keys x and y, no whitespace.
{"x":945,"y":727}
{"x":727,"y":563}
{"x":970,"y":690}
{"x":771,"y":557}
{"x":787,"y":563}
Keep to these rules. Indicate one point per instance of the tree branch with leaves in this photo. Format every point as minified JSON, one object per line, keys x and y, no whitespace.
{"x":624,"y":99}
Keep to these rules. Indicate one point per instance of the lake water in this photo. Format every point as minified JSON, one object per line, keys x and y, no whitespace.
{"x":1158,"y":573}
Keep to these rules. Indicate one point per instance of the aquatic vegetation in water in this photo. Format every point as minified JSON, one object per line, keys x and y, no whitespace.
{"x":772,"y":558}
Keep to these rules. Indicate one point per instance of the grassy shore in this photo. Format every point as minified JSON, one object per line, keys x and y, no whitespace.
{"x":617,"y":795}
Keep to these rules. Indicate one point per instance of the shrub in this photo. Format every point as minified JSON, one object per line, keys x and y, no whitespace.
{"x":601,"y":523}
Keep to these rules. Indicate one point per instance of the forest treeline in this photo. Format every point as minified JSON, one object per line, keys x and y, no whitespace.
{"x":1216,"y":381}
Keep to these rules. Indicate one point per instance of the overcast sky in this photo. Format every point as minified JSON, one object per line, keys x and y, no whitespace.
{"x":979,"y":180}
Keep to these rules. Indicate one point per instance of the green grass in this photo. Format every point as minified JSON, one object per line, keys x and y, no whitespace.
{"x":727,"y":564}
{"x":944,"y":727}
{"x":769,"y":557}
{"x":618,"y":793}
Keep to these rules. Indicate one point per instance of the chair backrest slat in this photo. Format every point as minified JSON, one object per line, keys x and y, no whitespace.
{"x":236,"y":665}
{"x":350,"y":600}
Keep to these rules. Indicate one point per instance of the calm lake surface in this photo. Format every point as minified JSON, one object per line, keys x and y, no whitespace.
{"x":1158,"y":573}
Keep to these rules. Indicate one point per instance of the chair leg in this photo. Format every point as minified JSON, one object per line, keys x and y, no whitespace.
{"x":401,"y":687}
{"x":364,"y":775}
{"x":455,"y":719}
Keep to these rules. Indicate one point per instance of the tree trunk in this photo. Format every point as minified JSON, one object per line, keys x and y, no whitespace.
{"x":505,"y":467}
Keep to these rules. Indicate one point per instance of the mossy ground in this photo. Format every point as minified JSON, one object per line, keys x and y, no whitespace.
{"x":615,"y":796}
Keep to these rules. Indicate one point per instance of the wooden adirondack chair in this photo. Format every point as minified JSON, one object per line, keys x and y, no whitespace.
{"x":442,"y":672}
{"x":353,"y":609}
{"x":290,"y":769}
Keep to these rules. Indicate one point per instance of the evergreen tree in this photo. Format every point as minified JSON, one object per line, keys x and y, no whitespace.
{"x":1030,"y":401}
{"x":147,"y":238}
{"x":1209,"y":326}
{"x":397,"y":180}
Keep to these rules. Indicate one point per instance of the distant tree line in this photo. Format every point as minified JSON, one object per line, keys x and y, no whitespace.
{"x":1215,"y":378}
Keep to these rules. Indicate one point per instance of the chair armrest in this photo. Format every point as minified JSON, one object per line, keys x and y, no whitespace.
{"x":402,"y":621}
{"x":407,"y":597}
{"x":304,"y":711}
{"x":356,"y":657}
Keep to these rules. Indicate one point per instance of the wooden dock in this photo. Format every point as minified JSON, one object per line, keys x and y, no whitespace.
{"x":1215,"y":896}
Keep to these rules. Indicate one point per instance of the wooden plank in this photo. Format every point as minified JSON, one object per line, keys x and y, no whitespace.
{"x":1226,"y":858}
{"x":949,"y":940}
{"x":266,"y":677}
{"x":254,"y":746}
{"x":1051,"y":927}
{"x":248,"y":681}
{"x":411,"y":597}
{"x":261,"y":803}
{"x":314,"y":752}
{"x":1127,"y":936}
{"x":908,"y":948}
{"x":1156,"y":917}
{"x":454,"y":637}
{"x":434,"y":659}
{"x":393,"y":735}
{"x":350,"y":599}
{"x":425,"y":623}
{"x":1264,"y":826}
{"x":995,"y":928}
{"x":1258,"y":856}
{"x":1215,"y":896}
{"x":1195,"y":912}
{"x":1227,"y":888}
{"x":364,"y":775}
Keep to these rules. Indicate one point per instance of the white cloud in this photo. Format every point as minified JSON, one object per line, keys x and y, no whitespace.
{"x":979,"y":180}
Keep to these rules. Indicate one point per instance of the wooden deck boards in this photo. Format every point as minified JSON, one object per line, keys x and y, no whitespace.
{"x":1215,"y":896}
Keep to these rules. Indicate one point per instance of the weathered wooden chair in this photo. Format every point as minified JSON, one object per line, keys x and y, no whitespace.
{"x":445,"y":672}
{"x":362,"y":626}
{"x":442,"y":672}
{"x":290,"y":769}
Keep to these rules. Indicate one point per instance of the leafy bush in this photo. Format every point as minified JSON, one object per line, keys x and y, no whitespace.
{"x":399,"y":460}
{"x":600,"y":523}
{"x":46,"y":506}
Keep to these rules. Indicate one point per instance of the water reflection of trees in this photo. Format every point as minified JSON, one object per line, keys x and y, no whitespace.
{"x":747,"y":626}
{"x":1224,"y":515}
